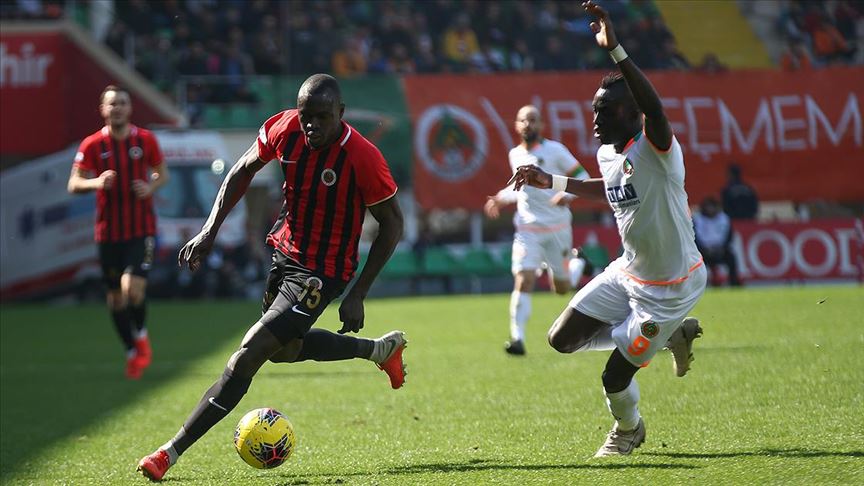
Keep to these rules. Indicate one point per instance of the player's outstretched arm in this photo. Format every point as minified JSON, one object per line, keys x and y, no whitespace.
{"x":534,"y":176}
{"x":233,"y":187}
{"x":390,"y":225}
{"x":657,"y":127}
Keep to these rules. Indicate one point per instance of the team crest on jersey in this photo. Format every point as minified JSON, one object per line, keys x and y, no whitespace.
{"x":650,"y":329}
{"x":135,"y":152}
{"x":628,"y":167}
{"x":328,"y":177}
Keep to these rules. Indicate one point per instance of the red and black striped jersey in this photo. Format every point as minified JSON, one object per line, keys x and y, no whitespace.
{"x":326,"y":192}
{"x":120,"y":215}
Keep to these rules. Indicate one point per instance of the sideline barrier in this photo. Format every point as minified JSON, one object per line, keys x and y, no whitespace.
{"x":824,"y":250}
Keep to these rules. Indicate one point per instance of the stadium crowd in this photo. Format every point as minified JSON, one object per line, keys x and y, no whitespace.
{"x":168,"y":39}
{"x":821,"y":33}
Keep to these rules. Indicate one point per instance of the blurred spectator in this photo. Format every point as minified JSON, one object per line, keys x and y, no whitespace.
{"x":357,"y":37}
{"x":796,"y":57}
{"x":348,"y":60}
{"x":739,"y":199}
{"x":399,"y":61}
{"x":828,"y":43}
{"x":555,"y":58}
{"x":268,"y":47}
{"x":714,"y":240}
{"x":711,"y":64}
{"x":460,"y":44}
{"x":671,"y":57}
{"x":425,"y":59}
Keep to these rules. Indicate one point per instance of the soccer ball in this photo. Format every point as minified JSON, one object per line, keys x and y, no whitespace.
{"x":264,"y":438}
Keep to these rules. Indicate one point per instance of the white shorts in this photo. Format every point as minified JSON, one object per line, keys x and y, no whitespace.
{"x":532,"y":249}
{"x":643,"y":317}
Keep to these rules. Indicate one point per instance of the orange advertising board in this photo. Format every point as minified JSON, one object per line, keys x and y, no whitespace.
{"x":797,"y":136}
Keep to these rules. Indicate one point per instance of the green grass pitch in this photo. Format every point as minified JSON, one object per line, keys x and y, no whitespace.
{"x":776,"y":395}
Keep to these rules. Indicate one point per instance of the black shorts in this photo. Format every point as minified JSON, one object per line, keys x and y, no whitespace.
{"x":134,"y":257}
{"x":295,"y":297}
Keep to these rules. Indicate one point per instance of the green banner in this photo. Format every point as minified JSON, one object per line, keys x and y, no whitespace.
{"x":375,"y":105}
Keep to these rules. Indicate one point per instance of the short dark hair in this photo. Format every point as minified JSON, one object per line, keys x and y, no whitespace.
{"x":615,"y":80}
{"x":112,"y":87}
{"x":321,"y":85}
{"x":612,"y":79}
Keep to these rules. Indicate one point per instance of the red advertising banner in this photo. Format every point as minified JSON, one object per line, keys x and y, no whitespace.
{"x":49,"y":90}
{"x":798,"y":136}
{"x":812,"y":251}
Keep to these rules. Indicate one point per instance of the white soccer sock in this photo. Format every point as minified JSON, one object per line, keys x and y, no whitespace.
{"x":601,"y":342}
{"x":520,"y":311}
{"x":624,"y":406}
{"x":172,"y":452}
{"x":576,"y":266}
{"x":140,"y":334}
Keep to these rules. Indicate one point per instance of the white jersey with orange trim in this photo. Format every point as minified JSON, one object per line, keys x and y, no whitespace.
{"x":533,"y":207}
{"x":645,"y":187}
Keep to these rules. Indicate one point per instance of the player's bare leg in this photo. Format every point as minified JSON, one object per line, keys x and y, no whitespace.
{"x":574,"y":331}
{"x":681,"y":345}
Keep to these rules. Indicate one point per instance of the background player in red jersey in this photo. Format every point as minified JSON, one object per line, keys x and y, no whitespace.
{"x":332,"y":176}
{"x":124,"y":165}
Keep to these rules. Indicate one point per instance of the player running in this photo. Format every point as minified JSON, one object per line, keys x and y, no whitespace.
{"x":544,"y":233}
{"x":332,"y":176}
{"x":639,"y":303}
{"x":124,"y":165}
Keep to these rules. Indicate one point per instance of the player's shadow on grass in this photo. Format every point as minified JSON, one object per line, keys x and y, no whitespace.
{"x":470,"y":466}
{"x":798,"y":453}
{"x":485,"y":465}
{"x":62,"y":369}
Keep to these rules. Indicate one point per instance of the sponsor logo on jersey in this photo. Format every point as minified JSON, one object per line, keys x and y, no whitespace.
{"x":619,"y":194}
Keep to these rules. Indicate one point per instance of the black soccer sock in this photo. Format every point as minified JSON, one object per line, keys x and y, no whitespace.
{"x":138,"y":312}
{"x":216,"y":403}
{"x":323,"y":345}
{"x":123,"y":325}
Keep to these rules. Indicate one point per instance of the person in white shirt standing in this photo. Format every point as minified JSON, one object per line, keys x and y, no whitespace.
{"x":544,"y":232}
{"x":640,"y":302}
{"x":714,"y":239}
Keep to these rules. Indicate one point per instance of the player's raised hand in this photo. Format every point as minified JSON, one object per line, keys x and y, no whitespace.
{"x":107,"y":179}
{"x":530,"y":175}
{"x":602,"y":28}
{"x":351,"y":313}
{"x":195,"y":250}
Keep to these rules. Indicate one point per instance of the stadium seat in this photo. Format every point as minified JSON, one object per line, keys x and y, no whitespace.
{"x":479,"y":262}
{"x":402,"y":264}
{"x":597,"y":255}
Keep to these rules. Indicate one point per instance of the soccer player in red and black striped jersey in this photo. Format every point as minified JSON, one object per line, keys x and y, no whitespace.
{"x":333,"y":175}
{"x":124,"y":165}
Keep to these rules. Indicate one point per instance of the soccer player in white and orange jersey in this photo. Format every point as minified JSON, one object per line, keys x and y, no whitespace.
{"x":640,"y":302}
{"x":544,"y":232}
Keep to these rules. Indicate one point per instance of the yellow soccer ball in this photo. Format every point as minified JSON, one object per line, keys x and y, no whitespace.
{"x":264,"y":438}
